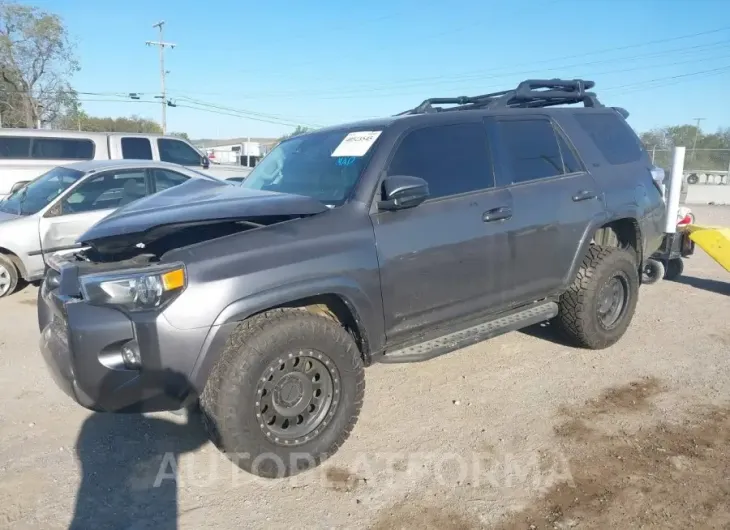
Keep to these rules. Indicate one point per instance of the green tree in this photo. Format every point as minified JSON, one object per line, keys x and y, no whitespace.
{"x":300,"y":129}
{"x":182,"y":135}
{"x":705,"y":151}
{"x":78,"y":119}
{"x":36,"y":62}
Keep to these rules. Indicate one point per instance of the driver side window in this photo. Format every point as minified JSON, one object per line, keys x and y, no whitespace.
{"x":108,"y":190}
{"x":178,"y":152}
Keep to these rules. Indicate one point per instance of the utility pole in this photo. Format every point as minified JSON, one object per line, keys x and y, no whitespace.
{"x":162,"y":44}
{"x":697,"y":134}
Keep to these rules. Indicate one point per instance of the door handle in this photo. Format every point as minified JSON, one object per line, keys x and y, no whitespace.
{"x":497,"y":214}
{"x":584,"y":195}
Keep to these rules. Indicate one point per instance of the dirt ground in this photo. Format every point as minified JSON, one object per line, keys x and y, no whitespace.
{"x":519,"y":432}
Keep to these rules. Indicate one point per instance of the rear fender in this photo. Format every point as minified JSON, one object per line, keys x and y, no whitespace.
{"x":587,"y":239}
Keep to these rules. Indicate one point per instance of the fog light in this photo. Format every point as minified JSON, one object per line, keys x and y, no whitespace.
{"x":130,"y":354}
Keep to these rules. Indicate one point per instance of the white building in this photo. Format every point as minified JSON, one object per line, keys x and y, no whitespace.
{"x":240,"y":151}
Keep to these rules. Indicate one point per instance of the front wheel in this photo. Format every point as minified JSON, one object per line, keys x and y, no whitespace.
{"x":598,"y":307}
{"x":8,"y":276}
{"x":286,"y":392}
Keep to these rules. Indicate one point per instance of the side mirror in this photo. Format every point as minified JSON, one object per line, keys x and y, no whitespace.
{"x":402,"y":191}
{"x":205,"y":162}
{"x":19,"y":186}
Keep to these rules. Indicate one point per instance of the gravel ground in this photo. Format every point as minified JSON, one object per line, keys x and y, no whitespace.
{"x":518,"y":432}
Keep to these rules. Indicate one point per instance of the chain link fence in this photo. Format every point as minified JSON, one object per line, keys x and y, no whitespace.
{"x":701,"y":166}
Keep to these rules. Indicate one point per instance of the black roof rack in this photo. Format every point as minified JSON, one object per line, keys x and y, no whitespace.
{"x":533,"y":93}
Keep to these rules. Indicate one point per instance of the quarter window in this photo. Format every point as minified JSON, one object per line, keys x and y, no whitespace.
{"x":613,"y":137}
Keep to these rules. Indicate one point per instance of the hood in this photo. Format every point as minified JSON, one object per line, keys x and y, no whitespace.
{"x":5,"y":216}
{"x":198,"y":201}
{"x":226,"y":171}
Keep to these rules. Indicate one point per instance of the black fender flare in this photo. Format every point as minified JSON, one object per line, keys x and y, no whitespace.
{"x":587,"y":236}
{"x":368,"y":315}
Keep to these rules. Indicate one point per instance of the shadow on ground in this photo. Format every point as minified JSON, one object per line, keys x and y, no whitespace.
{"x":122,"y":458}
{"x":712,"y":286}
{"x":545,"y":331}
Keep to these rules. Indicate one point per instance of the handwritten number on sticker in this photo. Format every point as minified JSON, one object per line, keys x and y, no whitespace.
{"x":345,"y":160}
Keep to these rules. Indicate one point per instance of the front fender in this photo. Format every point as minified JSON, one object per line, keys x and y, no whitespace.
{"x":367,"y":311}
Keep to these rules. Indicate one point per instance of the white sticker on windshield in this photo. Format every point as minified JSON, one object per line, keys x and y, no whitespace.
{"x":356,"y":143}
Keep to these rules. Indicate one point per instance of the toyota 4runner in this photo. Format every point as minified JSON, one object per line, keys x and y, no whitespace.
{"x":390,"y":240}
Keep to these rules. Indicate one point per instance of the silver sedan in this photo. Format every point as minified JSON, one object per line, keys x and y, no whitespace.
{"x":49,"y":213}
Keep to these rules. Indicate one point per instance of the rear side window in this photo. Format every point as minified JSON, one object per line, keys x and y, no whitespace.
{"x":613,"y":137}
{"x":14,"y":147}
{"x":62,"y":149}
{"x":136,"y":148}
{"x":453,"y":159}
{"x":46,"y":148}
{"x":165,"y":179}
{"x":532,"y":151}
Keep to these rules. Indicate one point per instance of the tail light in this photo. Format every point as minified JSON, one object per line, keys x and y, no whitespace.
{"x":686,"y":220}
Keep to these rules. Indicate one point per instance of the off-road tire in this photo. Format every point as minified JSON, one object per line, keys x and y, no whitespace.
{"x":653,"y":272}
{"x":578,"y":319}
{"x":674,"y":269}
{"x":229,"y":402}
{"x":12,"y":276}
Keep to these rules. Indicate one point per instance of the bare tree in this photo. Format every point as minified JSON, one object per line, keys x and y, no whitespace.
{"x":36,"y":62}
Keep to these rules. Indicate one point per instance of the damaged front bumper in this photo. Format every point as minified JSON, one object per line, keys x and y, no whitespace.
{"x":83,"y":344}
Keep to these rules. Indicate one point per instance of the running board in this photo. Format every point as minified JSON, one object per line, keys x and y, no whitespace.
{"x":460,"y":339}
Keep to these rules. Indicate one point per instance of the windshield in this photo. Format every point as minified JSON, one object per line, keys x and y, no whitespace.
{"x":39,"y":192}
{"x":325,"y":166}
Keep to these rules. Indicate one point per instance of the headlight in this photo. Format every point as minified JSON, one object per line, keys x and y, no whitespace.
{"x":135,"y":290}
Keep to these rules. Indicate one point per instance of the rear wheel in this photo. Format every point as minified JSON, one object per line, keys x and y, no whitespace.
{"x":675,"y":267}
{"x":598,"y":307}
{"x":8,"y":276}
{"x":286,"y":393}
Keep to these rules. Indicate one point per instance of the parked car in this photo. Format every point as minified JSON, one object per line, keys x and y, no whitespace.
{"x":52,"y":211}
{"x":390,"y":240}
{"x":27,"y":153}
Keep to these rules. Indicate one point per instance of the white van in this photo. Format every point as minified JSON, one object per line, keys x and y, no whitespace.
{"x":27,"y":153}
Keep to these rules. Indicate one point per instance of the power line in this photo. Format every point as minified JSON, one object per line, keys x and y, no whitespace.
{"x":381,"y":90}
{"x":232,"y":112}
{"x":471,"y":73}
{"x":643,"y":84}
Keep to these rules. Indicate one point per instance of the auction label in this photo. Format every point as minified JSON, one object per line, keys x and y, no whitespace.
{"x":356,"y":143}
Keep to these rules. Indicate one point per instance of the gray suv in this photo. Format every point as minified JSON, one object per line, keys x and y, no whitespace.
{"x":390,"y":240}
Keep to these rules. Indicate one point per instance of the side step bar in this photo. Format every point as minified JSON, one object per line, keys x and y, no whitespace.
{"x":512,"y":321}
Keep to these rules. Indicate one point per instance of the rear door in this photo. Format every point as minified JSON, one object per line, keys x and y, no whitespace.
{"x":89,"y":202}
{"x":555,"y":201}
{"x":440,"y":261}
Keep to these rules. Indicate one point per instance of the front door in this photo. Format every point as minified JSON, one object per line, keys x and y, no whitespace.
{"x":442,"y":260}
{"x":87,"y":203}
{"x":555,"y":200}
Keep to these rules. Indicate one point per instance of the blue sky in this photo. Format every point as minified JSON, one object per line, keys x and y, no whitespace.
{"x":322,"y":62}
